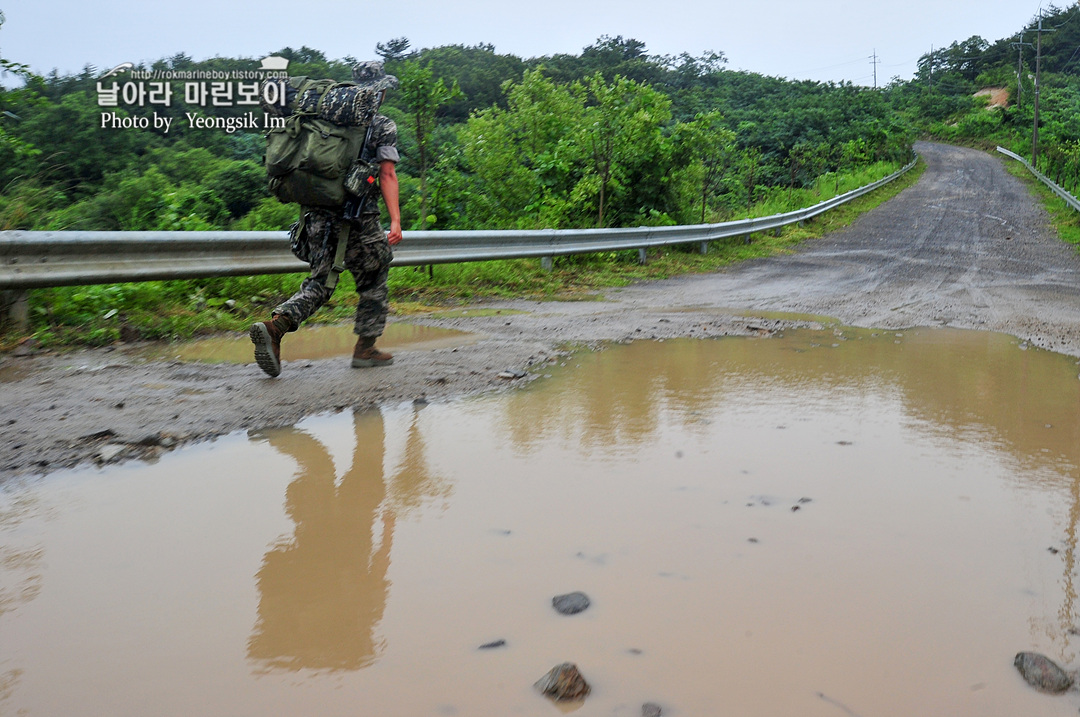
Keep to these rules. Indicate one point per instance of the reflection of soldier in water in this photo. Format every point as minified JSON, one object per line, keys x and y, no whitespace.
{"x":322,"y":593}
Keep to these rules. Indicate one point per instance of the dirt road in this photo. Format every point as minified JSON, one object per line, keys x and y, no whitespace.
{"x":967,"y":247}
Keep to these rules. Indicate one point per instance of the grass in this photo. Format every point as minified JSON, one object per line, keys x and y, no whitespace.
{"x":176,"y":310}
{"x":1064,"y":218}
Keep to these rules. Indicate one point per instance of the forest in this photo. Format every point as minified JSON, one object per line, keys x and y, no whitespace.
{"x":611,"y":137}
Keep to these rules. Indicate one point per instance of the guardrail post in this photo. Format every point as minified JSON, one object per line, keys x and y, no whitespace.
{"x":547,"y":263}
{"x":642,"y":256}
{"x":16,"y":308}
{"x":704,"y":247}
{"x":746,"y":239}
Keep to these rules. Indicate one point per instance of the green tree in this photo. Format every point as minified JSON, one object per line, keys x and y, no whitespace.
{"x":611,"y":57}
{"x":622,"y":136}
{"x":478,"y":70}
{"x":523,"y":160}
{"x":75,"y":147}
{"x":239,"y":186}
{"x":423,"y":95}
{"x":711,"y":146}
{"x":393,"y":50}
{"x":750,"y":162}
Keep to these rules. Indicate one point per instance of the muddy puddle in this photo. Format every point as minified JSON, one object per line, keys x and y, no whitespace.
{"x":312,"y":342}
{"x":825,"y":524}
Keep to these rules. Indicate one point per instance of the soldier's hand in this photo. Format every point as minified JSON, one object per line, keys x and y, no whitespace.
{"x":394,"y":235}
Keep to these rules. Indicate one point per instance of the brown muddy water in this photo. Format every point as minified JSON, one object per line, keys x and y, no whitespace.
{"x":830,"y":523}
{"x":313,"y":342}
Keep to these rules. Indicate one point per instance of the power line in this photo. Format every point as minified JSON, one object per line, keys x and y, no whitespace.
{"x":1071,"y":58}
{"x":901,"y":64}
{"x":1073,"y":17}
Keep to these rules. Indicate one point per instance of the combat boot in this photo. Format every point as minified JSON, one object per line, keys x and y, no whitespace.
{"x":266,"y":335}
{"x":365,"y":355}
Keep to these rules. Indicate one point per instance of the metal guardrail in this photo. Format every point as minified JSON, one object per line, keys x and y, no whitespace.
{"x":35,"y":259}
{"x":1057,"y":189}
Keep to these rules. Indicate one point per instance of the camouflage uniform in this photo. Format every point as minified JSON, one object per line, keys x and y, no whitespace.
{"x":367,"y":253}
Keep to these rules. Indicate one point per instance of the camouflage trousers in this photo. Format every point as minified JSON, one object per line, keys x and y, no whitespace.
{"x":367,"y":257}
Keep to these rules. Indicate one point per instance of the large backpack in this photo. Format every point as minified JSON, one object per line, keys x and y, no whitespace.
{"x":326,"y":125}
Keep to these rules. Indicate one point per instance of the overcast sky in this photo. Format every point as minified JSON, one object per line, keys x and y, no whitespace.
{"x":825,"y":40}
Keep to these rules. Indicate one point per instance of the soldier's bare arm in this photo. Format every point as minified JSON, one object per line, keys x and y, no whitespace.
{"x":388,"y":185}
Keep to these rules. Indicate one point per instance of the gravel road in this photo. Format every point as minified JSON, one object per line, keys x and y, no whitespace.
{"x":967,"y":246}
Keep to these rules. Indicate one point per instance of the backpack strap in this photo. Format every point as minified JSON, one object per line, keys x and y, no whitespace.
{"x":341,"y":236}
{"x":338,"y":234}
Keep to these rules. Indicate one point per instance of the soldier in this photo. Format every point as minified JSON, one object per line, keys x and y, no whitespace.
{"x":367,"y":253}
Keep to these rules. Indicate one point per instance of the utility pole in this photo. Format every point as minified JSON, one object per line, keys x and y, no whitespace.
{"x":931,"y":67}
{"x":875,"y":62}
{"x":1035,"y":128}
{"x":1020,"y":65}
{"x":1038,"y":68}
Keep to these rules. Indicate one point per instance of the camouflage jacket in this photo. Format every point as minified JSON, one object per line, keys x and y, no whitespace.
{"x":384,"y":139}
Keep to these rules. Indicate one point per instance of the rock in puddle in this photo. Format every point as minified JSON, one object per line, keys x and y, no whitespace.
{"x":564,"y":683}
{"x":1042,"y":673}
{"x":571,"y":603}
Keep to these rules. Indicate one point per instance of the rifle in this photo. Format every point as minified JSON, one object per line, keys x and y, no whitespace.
{"x":356,"y":205}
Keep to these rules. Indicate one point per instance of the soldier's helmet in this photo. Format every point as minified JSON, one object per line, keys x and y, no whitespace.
{"x":371,"y":74}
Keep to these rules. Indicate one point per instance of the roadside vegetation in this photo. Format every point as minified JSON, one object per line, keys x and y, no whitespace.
{"x":1064,"y":218}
